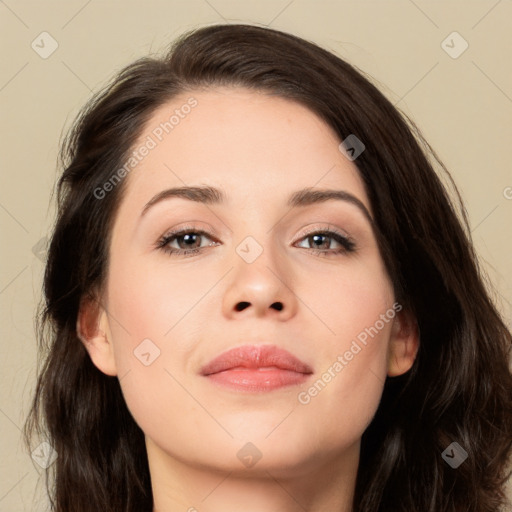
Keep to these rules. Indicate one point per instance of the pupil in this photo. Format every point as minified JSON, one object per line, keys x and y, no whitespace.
{"x":317,"y":238}
{"x":189,"y":238}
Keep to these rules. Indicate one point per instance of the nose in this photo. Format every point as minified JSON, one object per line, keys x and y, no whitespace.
{"x":260,"y":288}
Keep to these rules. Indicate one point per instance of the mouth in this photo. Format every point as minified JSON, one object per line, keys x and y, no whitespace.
{"x":256,"y":368}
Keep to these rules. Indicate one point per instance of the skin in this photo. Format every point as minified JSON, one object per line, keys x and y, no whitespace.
{"x":258,"y":150}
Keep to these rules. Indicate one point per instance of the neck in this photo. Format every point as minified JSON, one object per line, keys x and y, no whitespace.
{"x":326,"y":484}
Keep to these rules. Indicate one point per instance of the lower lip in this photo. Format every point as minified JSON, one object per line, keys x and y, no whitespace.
{"x":258,"y":379}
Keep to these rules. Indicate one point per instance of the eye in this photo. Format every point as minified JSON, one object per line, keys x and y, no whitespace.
{"x":321,"y":240}
{"x":188,"y":241}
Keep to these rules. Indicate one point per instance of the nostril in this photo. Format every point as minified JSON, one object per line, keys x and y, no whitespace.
{"x":241,"y":306}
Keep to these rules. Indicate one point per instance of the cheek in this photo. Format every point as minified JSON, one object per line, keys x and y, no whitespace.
{"x":347,"y":389}
{"x":343,"y":301}
{"x":154,"y":301}
{"x":154,"y":322}
{"x":356,"y":312}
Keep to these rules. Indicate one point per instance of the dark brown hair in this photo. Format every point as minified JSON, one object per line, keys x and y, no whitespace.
{"x":459,"y":388}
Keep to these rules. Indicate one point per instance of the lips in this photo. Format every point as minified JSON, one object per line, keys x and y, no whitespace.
{"x":256,"y":368}
{"x":254,"y":357}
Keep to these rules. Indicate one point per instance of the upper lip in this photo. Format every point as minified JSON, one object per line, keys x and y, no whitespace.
{"x":255,"y":356}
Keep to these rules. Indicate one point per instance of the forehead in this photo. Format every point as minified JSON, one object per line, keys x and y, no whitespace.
{"x":255,"y":147}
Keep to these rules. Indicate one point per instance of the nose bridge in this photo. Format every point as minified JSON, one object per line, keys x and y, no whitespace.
{"x":258,"y":238}
{"x":258,"y":262}
{"x":260,"y":278}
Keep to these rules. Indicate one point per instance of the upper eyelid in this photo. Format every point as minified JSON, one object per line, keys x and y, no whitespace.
{"x":187,"y":229}
{"x":329,"y":229}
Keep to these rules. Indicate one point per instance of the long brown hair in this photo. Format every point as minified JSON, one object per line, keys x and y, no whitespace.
{"x":459,"y":388}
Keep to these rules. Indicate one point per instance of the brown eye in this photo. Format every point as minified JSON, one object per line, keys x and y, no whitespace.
{"x":188,"y":241}
{"x":321,"y":242}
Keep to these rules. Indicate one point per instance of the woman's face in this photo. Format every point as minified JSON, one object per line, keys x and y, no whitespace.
{"x":266,"y":273}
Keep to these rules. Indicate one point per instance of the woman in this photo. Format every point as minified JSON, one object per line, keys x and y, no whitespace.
{"x":261,"y":297}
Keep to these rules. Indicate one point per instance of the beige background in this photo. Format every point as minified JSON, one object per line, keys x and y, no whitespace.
{"x":463,"y":106}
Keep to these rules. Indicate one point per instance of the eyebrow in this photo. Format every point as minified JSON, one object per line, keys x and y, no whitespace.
{"x":300,"y":198}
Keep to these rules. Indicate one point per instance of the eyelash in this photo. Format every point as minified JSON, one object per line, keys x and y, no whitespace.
{"x":348,"y":245}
